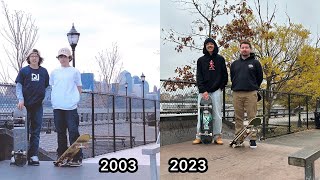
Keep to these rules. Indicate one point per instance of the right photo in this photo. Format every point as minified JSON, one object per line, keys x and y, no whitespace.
{"x":239,"y":96}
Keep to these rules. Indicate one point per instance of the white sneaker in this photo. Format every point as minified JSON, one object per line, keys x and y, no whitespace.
{"x":34,"y":161}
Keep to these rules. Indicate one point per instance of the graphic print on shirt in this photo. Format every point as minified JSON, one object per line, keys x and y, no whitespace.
{"x":250,"y":66}
{"x":211,"y":65}
{"x":35,"y":77}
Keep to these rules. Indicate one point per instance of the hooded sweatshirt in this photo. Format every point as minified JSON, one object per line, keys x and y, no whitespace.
{"x":246,"y":75}
{"x":211,"y":70}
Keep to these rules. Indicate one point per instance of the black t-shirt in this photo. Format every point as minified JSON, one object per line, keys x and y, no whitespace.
{"x":34,"y":83}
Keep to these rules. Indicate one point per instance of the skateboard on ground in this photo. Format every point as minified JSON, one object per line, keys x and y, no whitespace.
{"x":69,"y":154}
{"x":246,"y":131}
{"x":206,"y":134}
{"x":20,"y":150}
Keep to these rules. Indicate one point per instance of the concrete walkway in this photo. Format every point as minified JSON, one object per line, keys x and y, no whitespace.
{"x":88,"y":170}
{"x":268,"y":161}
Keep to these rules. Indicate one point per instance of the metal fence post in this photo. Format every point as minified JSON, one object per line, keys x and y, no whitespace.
{"x":289,"y":109}
{"x":263,"y":116}
{"x":114,"y":123}
{"x":155,"y":120}
{"x":224,"y":104}
{"x":307,"y":112}
{"x":92,"y":122}
{"x":130,"y":120}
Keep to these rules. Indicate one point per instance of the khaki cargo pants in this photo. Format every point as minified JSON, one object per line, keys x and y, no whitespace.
{"x":244,"y":101}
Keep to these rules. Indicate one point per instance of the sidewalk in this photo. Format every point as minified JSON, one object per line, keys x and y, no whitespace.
{"x":88,"y":170}
{"x":268,"y":161}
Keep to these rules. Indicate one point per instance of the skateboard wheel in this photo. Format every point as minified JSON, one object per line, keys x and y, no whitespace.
{"x":24,"y":153}
{"x":12,"y":152}
{"x":59,"y":164}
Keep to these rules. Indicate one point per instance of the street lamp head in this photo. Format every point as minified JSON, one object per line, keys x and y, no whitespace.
{"x":73,"y":37}
{"x":126,"y":85}
{"x":143,"y":77}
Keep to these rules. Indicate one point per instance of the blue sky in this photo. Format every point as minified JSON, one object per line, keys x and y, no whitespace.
{"x":134,"y":25}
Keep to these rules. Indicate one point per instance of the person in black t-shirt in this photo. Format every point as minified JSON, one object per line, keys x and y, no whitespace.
{"x":32,"y":86}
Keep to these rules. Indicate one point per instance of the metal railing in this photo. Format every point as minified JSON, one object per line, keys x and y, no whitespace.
{"x":114,"y":122}
{"x":282,"y":113}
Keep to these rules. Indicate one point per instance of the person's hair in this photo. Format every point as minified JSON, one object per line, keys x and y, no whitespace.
{"x":245,"y":42}
{"x":37,"y":52}
{"x":69,"y":57}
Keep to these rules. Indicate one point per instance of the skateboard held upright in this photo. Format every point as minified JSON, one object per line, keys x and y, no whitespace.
{"x":246,"y":131}
{"x":69,"y":154}
{"x":206,"y":134}
{"x":21,"y":138}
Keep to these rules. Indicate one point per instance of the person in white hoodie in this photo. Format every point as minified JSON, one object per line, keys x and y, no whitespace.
{"x":66,"y":89}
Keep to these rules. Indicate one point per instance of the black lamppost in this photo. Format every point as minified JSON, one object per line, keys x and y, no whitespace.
{"x":73,"y":38}
{"x":126,"y":86}
{"x":143,"y":116}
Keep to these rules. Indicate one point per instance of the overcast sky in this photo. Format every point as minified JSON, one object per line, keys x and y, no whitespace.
{"x":133,"y":24}
{"x":305,"y":12}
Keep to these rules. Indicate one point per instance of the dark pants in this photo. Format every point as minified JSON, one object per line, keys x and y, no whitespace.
{"x":34,"y":117}
{"x":64,"y":119}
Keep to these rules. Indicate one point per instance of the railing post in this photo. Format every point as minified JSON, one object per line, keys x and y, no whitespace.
{"x":263,"y":112}
{"x":155,"y":120}
{"x":224,"y":104}
{"x":130,"y":120}
{"x":92,"y":123}
{"x":289,"y":109}
{"x":114,"y":123}
{"x":144,"y":122}
{"x":307,"y":112}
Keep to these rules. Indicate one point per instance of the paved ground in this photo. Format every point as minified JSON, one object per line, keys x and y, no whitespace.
{"x":268,"y":161}
{"x":89,"y":169}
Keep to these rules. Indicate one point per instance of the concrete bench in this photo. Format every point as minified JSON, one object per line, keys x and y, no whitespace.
{"x":110,"y":138}
{"x":152,"y":152}
{"x":305,"y":158}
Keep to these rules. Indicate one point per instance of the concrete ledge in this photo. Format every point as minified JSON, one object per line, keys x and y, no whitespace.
{"x":304,"y":156}
{"x":151,"y":151}
{"x":176,"y":129}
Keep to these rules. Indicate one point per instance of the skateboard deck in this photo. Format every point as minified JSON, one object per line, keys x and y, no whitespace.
{"x":206,"y":135}
{"x":246,"y":131}
{"x":21,"y":138}
{"x":68,"y":155}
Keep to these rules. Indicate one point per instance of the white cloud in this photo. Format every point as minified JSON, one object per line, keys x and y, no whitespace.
{"x":99,"y":23}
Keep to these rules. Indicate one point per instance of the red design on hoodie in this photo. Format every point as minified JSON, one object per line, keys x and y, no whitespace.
{"x":211,"y":65}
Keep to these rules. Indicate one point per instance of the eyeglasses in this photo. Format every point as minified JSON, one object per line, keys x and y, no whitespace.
{"x":34,"y":56}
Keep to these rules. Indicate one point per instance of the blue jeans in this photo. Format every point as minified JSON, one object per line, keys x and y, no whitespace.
{"x":64,"y":119}
{"x":34,"y":117}
{"x":216,"y":112}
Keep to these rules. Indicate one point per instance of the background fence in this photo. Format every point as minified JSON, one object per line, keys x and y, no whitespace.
{"x":114,"y":122}
{"x":281,"y":113}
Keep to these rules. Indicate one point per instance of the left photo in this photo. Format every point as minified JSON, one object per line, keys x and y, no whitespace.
{"x":79,"y":89}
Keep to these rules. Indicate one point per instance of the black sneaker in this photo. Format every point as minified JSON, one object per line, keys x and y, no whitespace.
{"x":253,"y":144}
{"x":34,"y":161}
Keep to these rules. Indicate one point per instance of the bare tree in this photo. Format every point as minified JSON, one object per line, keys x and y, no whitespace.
{"x":110,"y":65}
{"x":21,"y":33}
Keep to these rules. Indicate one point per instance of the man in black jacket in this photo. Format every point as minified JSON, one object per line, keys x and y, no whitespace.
{"x":212,"y":77}
{"x":246,"y":77}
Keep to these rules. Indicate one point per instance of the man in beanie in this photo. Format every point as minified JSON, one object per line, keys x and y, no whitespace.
{"x":246,"y":77}
{"x":66,"y":89}
{"x":212,"y":77}
{"x":32,"y":86}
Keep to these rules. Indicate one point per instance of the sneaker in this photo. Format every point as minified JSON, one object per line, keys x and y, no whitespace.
{"x":218,"y":141}
{"x":253,"y":144}
{"x":75,"y":163}
{"x":34,"y":161}
{"x":196,"y":141}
